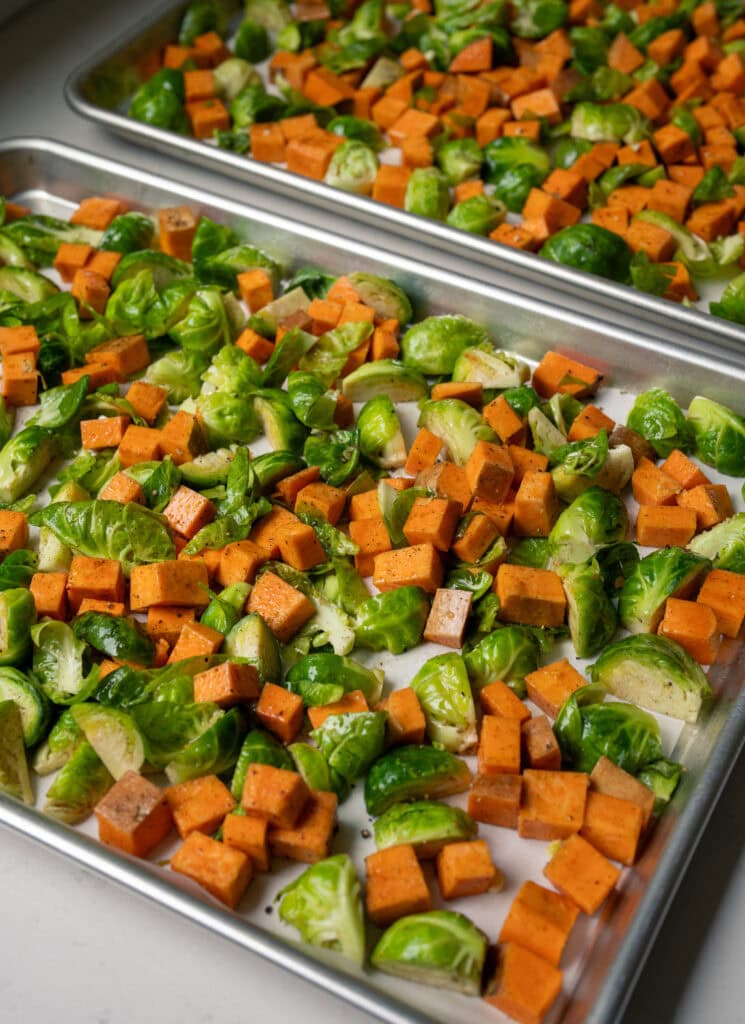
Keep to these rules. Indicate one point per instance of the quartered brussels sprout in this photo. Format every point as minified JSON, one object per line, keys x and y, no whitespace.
{"x":350,"y":127}
{"x":385,"y":377}
{"x":61,"y":662}
{"x":232,"y":76}
{"x":611,"y":122}
{"x":457,"y":424}
{"x":353,"y":168}
{"x":425,"y":824}
{"x":312,"y":403}
{"x":61,"y":742}
{"x":129,"y":534}
{"x":427,"y":194}
{"x":113,"y":735}
{"x":660,"y":420}
{"x":272,"y":467}
{"x":389,"y":301}
{"x":718,"y":434}
{"x":129,"y":232}
{"x":459,"y":160}
{"x":723,"y":544}
{"x":82,"y":782}
{"x":278,"y":422}
{"x":350,"y":743}
{"x":440,"y":948}
{"x":312,"y":765}
{"x":393,"y":620}
{"x":414,"y":772}
{"x":662,"y":777}
{"x":214,"y":752}
{"x":666,"y":572}
{"x":592,"y":248}
{"x":258,"y":747}
{"x":655,"y":673}
{"x":251,"y":640}
{"x":593,"y":520}
{"x":330,"y":625}
{"x":325,"y":905}
{"x":588,"y":727}
{"x":381,"y":440}
{"x":165,"y":727}
{"x":160,"y":102}
{"x":495,"y":370}
{"x":116,"y":636}
{"x":509,"y":653}
{"x":433,"y":345}
{"x":23,"y":460}
{"x":479,"y":215}
{"x":344,"y":672}
{"x":444,"y":691}
{"x":225,"y":608}
{"x":592,"y":615}
{"x":180,"y":373}
{"x":14,"y":776}
{"x":577,"y":466}
{"x":31,"y":702}
{"x":17,"y":616}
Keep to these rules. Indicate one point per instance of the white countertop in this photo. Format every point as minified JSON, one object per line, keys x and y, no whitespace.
{"x":78,"y":950}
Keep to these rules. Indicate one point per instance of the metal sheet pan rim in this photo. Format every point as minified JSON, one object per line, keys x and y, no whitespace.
{"x":573,"y":283}
{"x":649,"y":913}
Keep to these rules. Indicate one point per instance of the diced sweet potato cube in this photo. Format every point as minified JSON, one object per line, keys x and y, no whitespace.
{"x":133,"y":816}
{"x":177,"y":226}
{"x":97,"y":212}
{"x":49,"y":591}
{"x":556,"y":372}
{"x":652,"y":486}
{"x":525,"y":986}
{"x":92,"y":604}
{"x":448,"y":617}
{"x":498,"y":699}
{"x":165,"y":623}
{"x":267,"y":531}
{"x":582,"y":873}
{"x":199,"y":805}
{"x":684,"y":470}
{"x":479,"y":534}
{"x":20,"y":378}
{"x":613,"y":825}
{"x":418,"y":566}
{"x":406,"y":722}
{"x":540,"y":747}
{"x":495,"y":799}
{"x":711,"y":503}
{"x":553,"y":805}
{"x":182,"y":438}
{"x":540,"y":920}
{"x":310,"y":839}
{"x":276,"y":794}
{"x":195,"y":639}
{"x":466,"y":869}
{"x":70,"y":258}
{"x":175,"y":582}
{"x":300,"y":547}
{"x":224,"y":871}
{"x":188,"y":512}
{"x":283,"y":608}
{"x":140,"y":444}
{"x":489,"y":471}
{"x":280,"y":711}
{"x":351,"y":703}
{"x":372,"y":538}
{"x":499,"y":746}
{"x":125,"y":355}
{"x":395,"y":885}
{"x":531,"y":596}
{"x":658,"y":526}
{"x":226,"y":685}
{"x":526,"y":461}
{"x":13,"y":531}
{"x":424,"y":451}
{"x":18,"y":339}
{"x":432,"y":521}
{"x":536,"y":505}
{"x":552,"y":685}
{"x":724,"y":592}
{"x":692,"y":625}
{"x":94,"y":577}
{"x":124,"y":489}
{"x":447,"y":481}
{"x":326,"y":500}
{"x":239,"y":562}
{"x":606,"y":777}
{"x":248,"y":833}
{"x":92,"y":292}
{"x":504,"y":421}
{"x":147,"y":400}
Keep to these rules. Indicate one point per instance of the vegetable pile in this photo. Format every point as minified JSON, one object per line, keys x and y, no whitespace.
{"x":198,"y":637}
{"x":613,"y":135}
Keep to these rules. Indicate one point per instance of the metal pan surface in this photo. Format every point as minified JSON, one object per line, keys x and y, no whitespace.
{"x":100,"y":89}
{"x":52,"y":178}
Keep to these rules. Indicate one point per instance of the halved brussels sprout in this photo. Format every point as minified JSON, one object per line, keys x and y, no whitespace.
{"x":510,"y":654}
{"x":312,"y":765}
{"x":457,"y":424}
{"x":591,"y":613}
{"x":723,"y":544}
{"x":381,"y":440}
{"x":654,"y":672}
{"x":31,"y":702}
{"x":611,"y":122}
{"x":427,"y":193}
{"x":225,"y":608}
{"x":392,"y":621}
{"x":433,"y":345}
{"x":719,"y":435}
{"x":495,"y":370}
{"x":440,"y":948}
{"x":659,"y":419}
{"x":23,"y":460}
{"x":662,"y":777}
{"x":339,"y":671}
{"x":113,"y":735}
{"x":592,"y":248}
{"x":325,"y":905}
{"x":212,"y":753}
{"x":425,"y":824}
{"x":350,"y":743}
{"x":667,"y":572}
{"x":251,"y":640}
{"x":353,"y":168}
{"x":414,"y":772}
{"x":385,"y":377}
{"x":14,"y":776}
{"x":388,"y":300}
{"x":209,"y":469}
{"x":444,"y":691}
{"x":595,"y":519}
{"x":56,"y":750}
{"x":17,"y":616}
{"x":115,"y":636}
{"x":83,"y":781}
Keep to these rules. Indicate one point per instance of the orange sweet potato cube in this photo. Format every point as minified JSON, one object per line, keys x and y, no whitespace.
{"x":479,"y":534}
{"x":711,"y":503}
{"x":351,"y":703}
{"x":530,"y":596}
{"x":194,"y":640}
{"x":147,"y":400}
{"x":432,"y":521}
{"x":395,"y":885}
{"x":125,"y":355}
{"x":489,"y":471}
{"x":658,"y":526}
{"x":276,"y":794}
{"x":423,"y":452}
{"x":318,"y":497}
{"x":134,"y":815}
{"x":49,"y":591}
{"x":553,"y":804}
{"x":177,"y":226}
{"x":188,"y":512}
{"x":495,"y":799}
{"x":557,"y":373}
{"x":92,"y":292}
{"x":447,"y":481}
{"x":248,"y":833}
{"x":498,"y":699}
{"x":448,"y":617}
{"x":692,"y":625}
{"x":283,"y":608}
{"x":613,"y":825}
{"x":300,"y":547}
{"x":199,"y":805}
{"x":182,"y":438}
{"x":70,"y":258}
{"x":406,"y":722}
{"x":13,"y":531}
{"x":540,"y":747}
{"x":267,"y":530}
{"x":164,"y":623}
{"x":104,"y":263}
{"x":606,"y":777}
{"x":18,"y":339}
{"x":499,"y":746}
{"x":540,"y":920}
{"x":97,"y":212}
{"x":504,"y":421}
{"x":226,"y":685}
{"x":224,"y":871}
{"x":140,"y":444}
{"x":20,"y":378}
{"x":239,"y":562}
{"x":724,"y":592}
{"x":280,"y":711}
{"x":552,"y":685}
{"x":104,"y":432}
{"x":525,"y":986}
{"x":310,"y":839}
{"x":175,"y":582}
{"x":371,"y":536}
{"x":582,"y":873}
{"x":255,"y":288}
{"x":536,"y":505}
{"x":92,"y":604}
{"x":684,"y":470}
{"x":101,"y":578}
{"x":419,"y":566}
{"x":652,"y":486}
{"x":466,"y":869}
{"x":124,"y":489}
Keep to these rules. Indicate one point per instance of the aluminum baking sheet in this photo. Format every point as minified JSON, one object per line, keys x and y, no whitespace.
{"x":605,"y":953}
{"x":100,"y":89}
